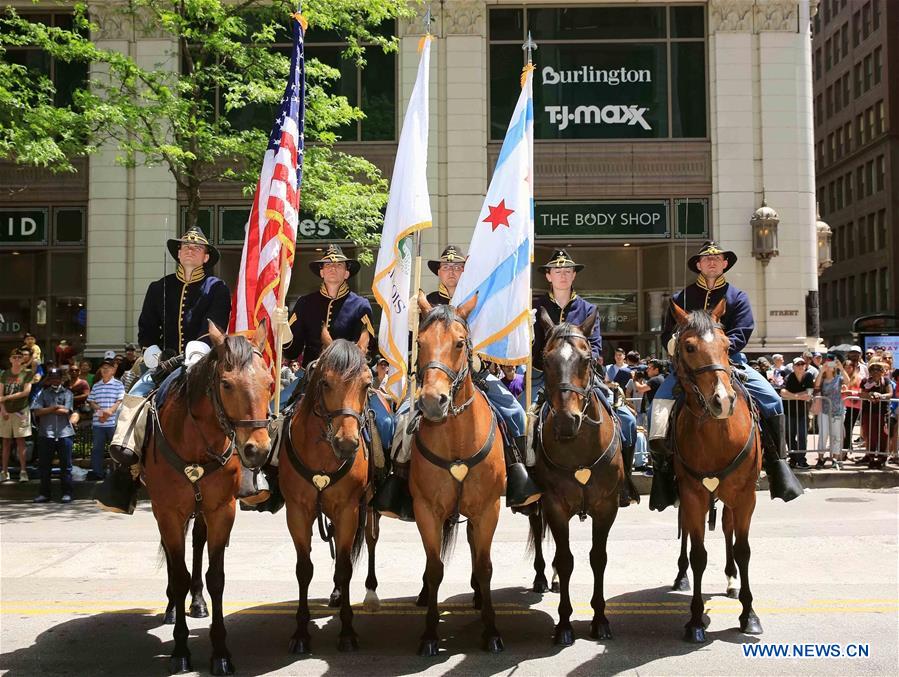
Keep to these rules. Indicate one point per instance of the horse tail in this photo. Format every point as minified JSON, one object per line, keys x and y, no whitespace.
{"x":359,"y":537}
{"x":536,"y":532}
{"x":448,"y":542}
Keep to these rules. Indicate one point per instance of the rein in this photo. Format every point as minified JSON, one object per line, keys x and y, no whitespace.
{"x":690,"y":375}
{"x":585,"y":393}
{"x":226,"y":423}
{"x":457,"y":377}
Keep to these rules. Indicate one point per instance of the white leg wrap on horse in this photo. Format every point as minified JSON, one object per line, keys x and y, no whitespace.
{"x":660,"y":418}
{"x":131,"y":424}
{"x":371,"y":601}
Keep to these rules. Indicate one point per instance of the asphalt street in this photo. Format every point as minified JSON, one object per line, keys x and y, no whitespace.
{"x":82,"y":593}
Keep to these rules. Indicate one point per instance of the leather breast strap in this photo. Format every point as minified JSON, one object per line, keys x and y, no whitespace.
{"x":458,"y":468}
{"x":321,"y":480}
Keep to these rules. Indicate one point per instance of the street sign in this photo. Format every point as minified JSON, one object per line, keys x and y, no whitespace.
{"x":23,"y":226}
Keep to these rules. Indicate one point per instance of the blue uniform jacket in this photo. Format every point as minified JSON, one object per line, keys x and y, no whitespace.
{"x":347,"y":316}
{"x":737,"y":320}
{"x":575,"y":312}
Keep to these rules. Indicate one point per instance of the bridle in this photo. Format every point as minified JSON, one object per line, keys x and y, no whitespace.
{"x":329,"y":415}
{"x":456,"y":377}
{"x":690,"y":375}
{"x":585,"y":393}
{"x":227,"y":424}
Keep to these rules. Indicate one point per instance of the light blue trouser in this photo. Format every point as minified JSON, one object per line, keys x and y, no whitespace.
{"x":508,"y":406}
{"x":767,"y":399}
{"x":143,"y":385}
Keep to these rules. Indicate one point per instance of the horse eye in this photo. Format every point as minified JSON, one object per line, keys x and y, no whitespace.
{"x":460,"y":344}
{"x":691,"y":348}
{"x":227,"y":385}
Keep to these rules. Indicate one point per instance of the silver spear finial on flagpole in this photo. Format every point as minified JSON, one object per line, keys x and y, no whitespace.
{"x":529,"y":46}
{"x":428,"y":19}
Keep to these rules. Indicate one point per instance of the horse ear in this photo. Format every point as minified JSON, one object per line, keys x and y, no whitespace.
{"x":718,"y":310}
{"x":466,"y":308}
{"x":260,"y":336}
{"x":326,"y":337}
{"x":423,"y":306}
{"x":545,"y":321}
{"x":364,"y":338}
{"x":680,"y":315}
{"x":587,"y":325}
{"x":215,"y":334}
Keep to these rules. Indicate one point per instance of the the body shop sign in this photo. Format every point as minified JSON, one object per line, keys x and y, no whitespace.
{"x":601,"y":91}
{"x":604,"y":219}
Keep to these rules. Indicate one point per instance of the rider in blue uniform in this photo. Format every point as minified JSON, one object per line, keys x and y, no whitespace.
{"x":177,"y":309}
{"x":562,"y":304}
{"x":705,"y":293}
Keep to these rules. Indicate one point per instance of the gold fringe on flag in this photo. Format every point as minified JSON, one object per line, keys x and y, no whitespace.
{"x":524,"y":72}
{"x":299,"y":17}
{"x":424,"y":38}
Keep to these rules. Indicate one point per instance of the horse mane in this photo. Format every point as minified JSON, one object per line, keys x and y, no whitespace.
{"x":561,"y":330}
{"x":700,"y":322}
{"x":237,"y":353}
{"x":343,"y":357}
{"x":442,"y":313}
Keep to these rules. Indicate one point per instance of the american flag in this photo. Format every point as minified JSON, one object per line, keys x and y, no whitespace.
{"x":272,"y":229}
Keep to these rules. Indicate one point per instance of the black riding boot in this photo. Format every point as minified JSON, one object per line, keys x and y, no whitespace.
{"x":782,"y":483}
{"x":392,"y":499}
{"x":118,"y":492}
{"x":521,"y":490}
{"x":664,"y":486}
{"x":259,"y":490}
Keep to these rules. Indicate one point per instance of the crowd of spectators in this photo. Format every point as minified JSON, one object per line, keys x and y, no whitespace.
{"x":50,"y":401}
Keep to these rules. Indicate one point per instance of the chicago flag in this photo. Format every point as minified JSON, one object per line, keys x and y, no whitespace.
{"x":498,"y":268}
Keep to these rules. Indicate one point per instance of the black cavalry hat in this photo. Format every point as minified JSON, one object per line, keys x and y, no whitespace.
{"x":193,"y":236}
{"x":708,"y":249}
{"x":334,"y":254}
{"x":561,"y":259}
{"x":452,"y":254}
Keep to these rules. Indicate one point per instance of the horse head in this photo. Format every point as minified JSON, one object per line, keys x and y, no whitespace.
{"x":240,"y":384}
{"x":568,"y":372}
{"x":444,"y":356}
{"x":338,"y":392}
{"x":701,"y":358}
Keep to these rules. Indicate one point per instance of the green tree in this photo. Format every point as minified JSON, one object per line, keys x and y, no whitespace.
{"x":181,"y":114}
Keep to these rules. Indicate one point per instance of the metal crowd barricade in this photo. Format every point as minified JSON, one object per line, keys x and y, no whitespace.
{"x":863,"y":427}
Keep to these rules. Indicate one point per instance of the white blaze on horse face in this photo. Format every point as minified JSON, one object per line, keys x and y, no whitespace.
{"x":708,"y":337}
{"x":723,"y":399}
{"x":566,"y":351}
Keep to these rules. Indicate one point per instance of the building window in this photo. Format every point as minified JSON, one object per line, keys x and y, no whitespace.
{"x":875,"y":11}
{"x":860,"y":181}
{"x":882,"y":229}
{"x":828,"y":57}
{"x":372,"y":88}
{"x":596,"y":64}
{"x":856,"y":29}
{"x":878,"y":65}
{"x":884,"y":289}
{"x":869,"y":71}
{"x":880,"y":173}
{"x":849,"y":249}
{"x":860,"y":128}
{"x":850,"y":295}
{"x":844,"y":39}
{"x":818,"y":64}
{"x":869,"y":177}
{"x":839,"y":187}
{"x":866,"y":20}
{"x":869,"y":122}
{"x":848,"y":184}
{"x":881,"y":117}
{"x":846,"y":89}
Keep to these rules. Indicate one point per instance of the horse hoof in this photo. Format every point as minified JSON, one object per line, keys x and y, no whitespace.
{"x":347,"y":643}
{"x":681,"y":584}
{"x":564,"y":636}
{"x":751,"y":625}
{"x":422,"y":599}
{"x":555,"y":587}
{"x":540,"y":585}
{"x":334,"y":599}
{"x":169,"y":617}
{"x":178,"y":665}
{"x":221,"y":666}
{"x":733,"y":593}
{"x":600,"y":630}
{"x":198,"y":609}
{"x":694,"y":635}
{"x":300,"y":646}
{"x":494,"y":644}
{"x":428,"y":648}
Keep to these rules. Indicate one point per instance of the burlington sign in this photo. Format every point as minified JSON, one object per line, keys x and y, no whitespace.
{"x":602,"y":91}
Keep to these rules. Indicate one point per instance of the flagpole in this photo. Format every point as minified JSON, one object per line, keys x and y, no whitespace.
{"x":282,"y":297}
{"x":413,"y":317}
{"x":529,"y":46}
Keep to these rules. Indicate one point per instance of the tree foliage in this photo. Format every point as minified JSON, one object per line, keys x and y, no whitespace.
{"x":181,"y":113}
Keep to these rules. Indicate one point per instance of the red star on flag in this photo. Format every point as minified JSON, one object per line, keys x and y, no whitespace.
{"x":499,"y":215}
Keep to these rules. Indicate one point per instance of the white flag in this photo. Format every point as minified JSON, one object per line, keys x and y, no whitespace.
{"x":408,"y":211}
{"x":498,"y":268}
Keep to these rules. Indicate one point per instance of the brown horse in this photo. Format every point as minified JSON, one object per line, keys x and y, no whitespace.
{"x":682,"y":581}
{"x":220,"y":404}
{"x":579,"y":463}
{"x":457,"y":466}
{"x":325,"y":470}
{"x":717,"y":454}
